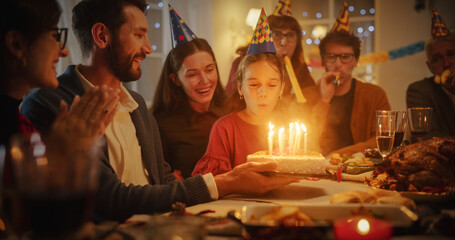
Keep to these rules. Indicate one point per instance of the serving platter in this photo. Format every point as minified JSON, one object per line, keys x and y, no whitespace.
{"x":423,"y":196}
{"x":397,"y":216}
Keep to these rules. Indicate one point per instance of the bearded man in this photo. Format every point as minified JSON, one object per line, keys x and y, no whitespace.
{"x":134,"y":177}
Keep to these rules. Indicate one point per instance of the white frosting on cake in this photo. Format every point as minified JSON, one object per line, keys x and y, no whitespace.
{"x":313,"y":163}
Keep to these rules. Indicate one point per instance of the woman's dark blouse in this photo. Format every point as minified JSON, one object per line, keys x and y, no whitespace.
{"x":185,"y":135}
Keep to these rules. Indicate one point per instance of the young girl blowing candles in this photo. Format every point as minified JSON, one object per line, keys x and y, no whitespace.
{"x":260,"y":84}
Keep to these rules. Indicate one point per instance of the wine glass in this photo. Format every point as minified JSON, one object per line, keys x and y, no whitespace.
{"x":385,"y":133}
{"x":420,"y":122}
{"x":50,"y":197}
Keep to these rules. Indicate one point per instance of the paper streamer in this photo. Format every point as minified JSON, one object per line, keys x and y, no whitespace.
{"x":374,"y":58}
{"x":406,"y":51}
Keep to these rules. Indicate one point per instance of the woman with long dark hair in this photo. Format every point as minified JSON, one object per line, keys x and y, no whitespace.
{"x":189,"y":98}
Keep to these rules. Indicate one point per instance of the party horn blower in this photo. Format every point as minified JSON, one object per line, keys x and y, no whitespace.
{"x":443,"y":78}
{"x":336,"y":81}
{"x":295,"y":84}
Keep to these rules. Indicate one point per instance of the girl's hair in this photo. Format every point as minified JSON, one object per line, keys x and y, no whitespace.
{"x":31,"y":18}
{"x":168,"y":96}
{"x":270,"y":58}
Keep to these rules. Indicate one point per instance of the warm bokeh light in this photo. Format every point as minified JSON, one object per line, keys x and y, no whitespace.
{"x":363,"y":226}
{"x":252,"y":17}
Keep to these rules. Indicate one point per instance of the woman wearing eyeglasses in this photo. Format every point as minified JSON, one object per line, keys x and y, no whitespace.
{"x":31,"y":46}
{"x":286,"y":33}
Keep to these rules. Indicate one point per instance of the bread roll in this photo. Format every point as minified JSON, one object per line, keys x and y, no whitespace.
{"x":363,"y":196}
{"x":344,"y":198}
{"x":353,"y":196}
{"x":282,"y":212}
{"x":377,"y":193}
{"x":403,"y":201}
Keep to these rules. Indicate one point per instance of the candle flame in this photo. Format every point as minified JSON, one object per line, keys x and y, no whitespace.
{"x":281,"y":130}
{"x":303,"y":127}
{"x":363,"y":226}
{"x":291,"y":126}
{"x":271,"y":126}
{"x":297,"y":127}
{"x":271,"y":133}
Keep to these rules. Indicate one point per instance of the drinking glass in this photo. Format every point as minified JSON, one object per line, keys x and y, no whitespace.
{"x":50,"y":196}
{"x":385,"y":133}
{"x":401,"y":119}
{"x":420,"y":122}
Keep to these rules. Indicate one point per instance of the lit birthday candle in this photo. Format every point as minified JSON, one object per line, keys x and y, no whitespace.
{"x":270,"y":138}
{"x":305,"y":138}
{"x":298,"y":135}
{"x":281,"y":140}
{"x":291,"y":136}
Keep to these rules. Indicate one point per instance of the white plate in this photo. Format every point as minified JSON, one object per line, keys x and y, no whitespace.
{"x":397,"y":216}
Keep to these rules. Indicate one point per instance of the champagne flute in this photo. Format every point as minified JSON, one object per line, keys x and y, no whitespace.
{"x":420,"y":121}
{"x":385,"y":133}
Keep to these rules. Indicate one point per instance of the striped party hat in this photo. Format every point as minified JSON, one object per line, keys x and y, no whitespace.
{"x":262,"y":41}
{"x":342,"y":22}
{"x":283,"y":8}
{"x":438,"y":27}
{"x":180,"y":32}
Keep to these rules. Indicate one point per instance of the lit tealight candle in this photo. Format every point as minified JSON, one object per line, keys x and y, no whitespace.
{"x":362,"y":227}
{"x":281,"y":140}
{"x":270,"y":138}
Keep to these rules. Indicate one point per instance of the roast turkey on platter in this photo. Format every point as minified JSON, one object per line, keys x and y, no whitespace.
{"x":427,"y":166}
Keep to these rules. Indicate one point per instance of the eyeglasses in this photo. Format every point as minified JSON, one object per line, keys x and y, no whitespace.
{"x":344,"y":57}
{"x":61,"y":36}
{"x":277,"y":36}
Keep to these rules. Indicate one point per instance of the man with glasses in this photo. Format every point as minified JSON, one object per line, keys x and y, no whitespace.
{"x":439,"y":95}
{"x":342,"y":107}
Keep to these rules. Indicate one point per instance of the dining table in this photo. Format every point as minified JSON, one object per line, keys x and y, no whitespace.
{"x":425,"y":222}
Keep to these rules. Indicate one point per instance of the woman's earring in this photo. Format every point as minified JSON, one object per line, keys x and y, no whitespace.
{"x":241,"y":97}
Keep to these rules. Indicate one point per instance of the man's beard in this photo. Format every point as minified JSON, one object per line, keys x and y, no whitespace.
{"x":122,"y":66}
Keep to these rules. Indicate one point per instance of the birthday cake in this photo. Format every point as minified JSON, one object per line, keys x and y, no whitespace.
{"x":311,"y":163}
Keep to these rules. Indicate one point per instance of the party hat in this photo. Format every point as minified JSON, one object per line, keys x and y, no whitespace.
{"x":283,"y":8}
{"x":438,"y":27}
{"x":342,"y":22}
{"x":262,"y":41}
{"x":180,"y":32}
